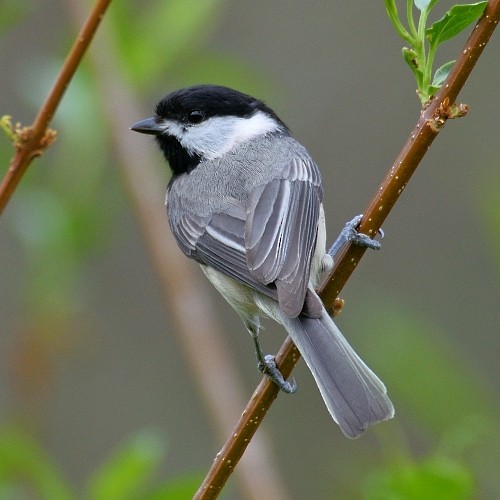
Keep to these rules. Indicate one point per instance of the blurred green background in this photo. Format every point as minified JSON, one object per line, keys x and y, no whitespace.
{"x":96,"y":398}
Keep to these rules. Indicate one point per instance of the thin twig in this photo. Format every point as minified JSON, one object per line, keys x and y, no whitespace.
{"x":33,"y":140}
{"x":431,"y":121}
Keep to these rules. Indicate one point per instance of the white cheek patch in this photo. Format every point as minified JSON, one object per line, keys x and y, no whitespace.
{"x":247,"y":128}
{"x":171,"y":127}
{"x":218,"y":135}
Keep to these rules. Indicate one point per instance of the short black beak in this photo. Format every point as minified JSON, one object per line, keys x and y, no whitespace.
{"x":147,"y":126}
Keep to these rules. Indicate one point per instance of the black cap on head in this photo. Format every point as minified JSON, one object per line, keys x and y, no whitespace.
{"x":191,"y":106}
{"x":210,"y":100}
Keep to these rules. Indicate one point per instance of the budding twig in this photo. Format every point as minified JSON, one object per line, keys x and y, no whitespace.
{"x":32,"y":141}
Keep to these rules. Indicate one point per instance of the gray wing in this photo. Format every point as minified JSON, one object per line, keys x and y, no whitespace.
{"x":269,"y":244}
{"x":219,"y":242}
{"x":281,"y":230}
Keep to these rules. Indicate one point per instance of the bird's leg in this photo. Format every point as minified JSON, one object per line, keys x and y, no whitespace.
{"x":267,"y":364}
{"x":350,"y":234}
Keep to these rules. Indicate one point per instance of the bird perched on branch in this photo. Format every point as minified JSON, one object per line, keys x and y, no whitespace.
{"x":245,"y":201}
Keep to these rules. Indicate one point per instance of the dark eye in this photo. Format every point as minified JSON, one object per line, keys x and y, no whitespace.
{"x":196,"y":116}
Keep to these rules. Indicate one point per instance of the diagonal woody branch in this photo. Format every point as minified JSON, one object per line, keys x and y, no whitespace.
{"x":431,"y":121}
{"x":32,"y":141}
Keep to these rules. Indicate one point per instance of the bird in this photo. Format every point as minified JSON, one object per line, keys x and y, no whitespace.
{"x":245,"y":202}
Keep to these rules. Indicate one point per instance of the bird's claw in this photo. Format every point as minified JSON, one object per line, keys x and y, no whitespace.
{"x":350,"y":234}
{"x":268,"y":367}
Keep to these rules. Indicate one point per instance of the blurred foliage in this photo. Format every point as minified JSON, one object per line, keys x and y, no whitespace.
{"x":441,"y":396}
{"x":423,"y":366}
{"x":445,"y":474}
{"x":27,"y":471}
{"x":433,"y":479}
{"x":125,"y":473}
{"x":177,"y":30}
{"x":62,"y":213}
{"x":25,"y":466}
{"x":488,"y":201}
{"x":12,"y":11}
{"x":174,"y":29}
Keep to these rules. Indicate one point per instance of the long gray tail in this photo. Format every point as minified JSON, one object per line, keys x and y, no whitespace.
{"x":354,"y":395}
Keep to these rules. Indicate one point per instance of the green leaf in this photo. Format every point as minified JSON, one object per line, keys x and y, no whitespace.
{"x":454,"y":21}
{"x":431,"y":91}
{"x":22,"y":461}
{"x":411,"y":58}
{"x":7,"y":127}
{"x":392,"y":12}
{"x":424,"y":5}
{"x":439,"y":78}
{"x":438,"y":478}
{"x":126,"y":473}
{"x":442,"y":74}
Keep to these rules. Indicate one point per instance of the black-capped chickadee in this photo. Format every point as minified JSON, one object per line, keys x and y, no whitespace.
{"x":244,"y":201}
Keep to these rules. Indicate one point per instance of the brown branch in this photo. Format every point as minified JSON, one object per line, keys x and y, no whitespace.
{"x":33,"y":140}
{"x":431,"y":121}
